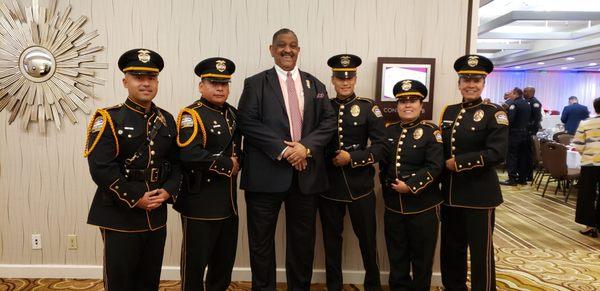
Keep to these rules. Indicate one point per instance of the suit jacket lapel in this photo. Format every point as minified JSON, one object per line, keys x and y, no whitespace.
{"x":309,"y":89}
{"x":273,"y":80}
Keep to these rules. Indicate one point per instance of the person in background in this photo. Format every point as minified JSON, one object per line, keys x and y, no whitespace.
{"x":572,"y":114}
{"x":518,"y":158}
{"x":534,"y":124}
{"x":411,"y":191}
{"x":587,"y":142}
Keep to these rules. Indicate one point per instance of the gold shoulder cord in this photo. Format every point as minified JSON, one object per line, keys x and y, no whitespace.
{"x":197,"y":121}
{"x":106,"y":116}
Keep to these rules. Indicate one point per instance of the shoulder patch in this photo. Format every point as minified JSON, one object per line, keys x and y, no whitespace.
{"x":511,"y":107}
{"x":98,"y":123}
{"x":536,"y":105}
{"x":438,"y":136}
{"x":187,"y":121}
{"x":376,"y":111}
{"x":501,"y":118}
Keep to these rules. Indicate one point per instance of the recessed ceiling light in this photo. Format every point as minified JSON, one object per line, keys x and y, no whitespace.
{"x":570,"y":58}
{"x":517,"y":67}
{"x":540,"y":63}
{"x":563,"y":68}
{"x":592,"y":64}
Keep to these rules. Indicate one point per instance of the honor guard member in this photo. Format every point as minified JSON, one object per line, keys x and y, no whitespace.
{"x":349,"y":159}
{"x":475,"y":140}
{"x":133,"y":158}
{"x":411,"y":190}
{"x":518,"y":159}
{"x":210,"y":154}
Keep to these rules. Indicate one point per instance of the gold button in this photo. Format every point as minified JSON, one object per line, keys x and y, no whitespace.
{"x":152,"y":152}
{"x":404,"y":131}
{"x":460,"y":117}
{"x":469,"y":164}
{"x":428,"y":178}
{"x":339,"y":129}
{"x":342,"y":106}
{"x":355,"y":123}
{"x":463,"y":111}
{"x":472,"y":128}
{"x":117,"y":187}
{"x":397,"y":164}
{"x":132,"y":200}
{"x":340,"y":120}
{"x":457,"y":123}
{"x":453,"y":148}
{"x":403,"y":136}
{"x":341,"y":113}
{"x":341,"y":144}
{"x":414,"y":188}
{"x":401,"y":142}
{"x":420,"y":183}
{"x":151,"y":162}
{"x":399,"y":149}
{"x":397,"y":157}
{"x":151,"y":142}
{"x":341,"y":136}
{"x":453,"y":139}
{"x":478,"y":162}
{"x":460,"y":166}
{"x":414,"y":146}
{"x":454,"y":131}
{"x":124,"y":194}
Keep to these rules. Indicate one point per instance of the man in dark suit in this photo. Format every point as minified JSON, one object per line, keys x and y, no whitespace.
{"x":518,"y":158}
{"x":286,"y":119}
{"x":572,"y":114}
{"x":534,"y":124}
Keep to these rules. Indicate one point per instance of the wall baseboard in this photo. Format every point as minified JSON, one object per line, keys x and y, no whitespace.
{"x":168,"y":273}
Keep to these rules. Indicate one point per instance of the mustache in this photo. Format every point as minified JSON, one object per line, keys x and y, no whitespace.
{"x":283,"y":54}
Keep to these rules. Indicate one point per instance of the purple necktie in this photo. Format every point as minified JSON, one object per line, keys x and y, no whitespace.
{"x":295,"y":116}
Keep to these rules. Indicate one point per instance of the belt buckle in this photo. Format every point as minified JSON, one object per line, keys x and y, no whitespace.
{"x":154,"y":175}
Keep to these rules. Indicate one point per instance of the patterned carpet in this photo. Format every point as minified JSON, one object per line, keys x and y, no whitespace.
{"x":538,"y":247}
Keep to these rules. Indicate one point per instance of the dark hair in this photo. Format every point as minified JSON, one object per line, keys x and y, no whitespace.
{"x":283,"y":31}
{"x":572,"y":98}
{"x":518,"y":91}
{"x":597,"y":105}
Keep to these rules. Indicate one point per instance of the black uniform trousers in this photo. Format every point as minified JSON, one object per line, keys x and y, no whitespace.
{"x":518,"y":160}
{"x":411,"y":240}
{"x":472,"y":228}
{"x":262,"y":213}
{"x":588,"y":197}
{"x":212,"y":244}
{"x":133,"y":260}
{"x":362,"y":216}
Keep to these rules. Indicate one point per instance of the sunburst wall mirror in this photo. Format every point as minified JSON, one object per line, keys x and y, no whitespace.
{"x":47,"y":64}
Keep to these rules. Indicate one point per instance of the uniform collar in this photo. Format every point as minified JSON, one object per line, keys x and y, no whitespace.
{"x":212,"y":106}
{"x":130,"y":104}
{"x":471,"y":103}
{"x":347,"y":100}
{"x":410,"y":124}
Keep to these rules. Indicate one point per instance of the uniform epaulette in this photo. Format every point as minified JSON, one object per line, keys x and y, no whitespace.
{"x":195,"y":105}
{"x":496,"y":106}
{"x":391,"y":123}
{"x":428,"y":123}
{"x":366,"y":99}
{"x":98,"y":124}
{"x":442,"y":115}
{"x":197,"y":122}
{"x":114,"y":107}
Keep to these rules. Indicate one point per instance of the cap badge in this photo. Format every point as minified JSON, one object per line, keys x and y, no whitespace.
{"x":345,"y":61}
{"x":406,"y":85}
{"x":473,"y":61}
{"x":221,"y":66}
{"x":144,"y":56}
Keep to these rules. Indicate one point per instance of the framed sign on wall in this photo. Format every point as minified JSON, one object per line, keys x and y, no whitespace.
{"x":392,"y":70}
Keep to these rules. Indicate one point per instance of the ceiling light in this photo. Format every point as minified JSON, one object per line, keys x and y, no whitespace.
{"x":570,"y":58}
{"x":517,"y":67}
{"x":592,"y":64}
{"x":540,"y":63}
{"x":563,"y":68}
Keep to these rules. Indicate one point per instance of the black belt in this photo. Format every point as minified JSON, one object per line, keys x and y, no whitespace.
{"x":152,"y":174}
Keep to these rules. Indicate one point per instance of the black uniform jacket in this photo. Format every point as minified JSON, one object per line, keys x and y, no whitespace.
{"x":415,"y":156}
{"x":475,"y":134}
{"x":115,"y":134}
{"x":358,"y":121}
{"x":208,"y":137}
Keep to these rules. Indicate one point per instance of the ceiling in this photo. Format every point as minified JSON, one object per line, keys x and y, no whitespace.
{"x":562,"y":35}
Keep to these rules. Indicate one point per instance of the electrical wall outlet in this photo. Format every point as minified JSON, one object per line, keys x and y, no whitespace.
{"x":72,"y":242}
{"x":36,"y":241}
